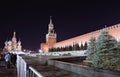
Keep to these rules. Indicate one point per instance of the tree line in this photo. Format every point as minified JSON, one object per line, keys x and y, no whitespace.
{"x":73,"y":47}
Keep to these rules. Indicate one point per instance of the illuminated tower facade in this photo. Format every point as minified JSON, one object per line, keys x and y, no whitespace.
{"x":51,"y":37}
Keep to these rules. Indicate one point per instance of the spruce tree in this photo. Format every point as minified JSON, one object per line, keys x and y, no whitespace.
{"x":91,"y":48}
{"x":116,"y":57}
{"x":85,"y":46}
{"x":105,"y":45}
{"x":77,"y":46}
{"x":81,"y":46}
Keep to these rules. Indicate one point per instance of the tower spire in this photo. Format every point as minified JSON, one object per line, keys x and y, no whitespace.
{"x":14,"y":34}
{"x":50,"y":20}
{"x":50,"y":26}
{"x":51,"y":33}
{"x":14,"y":37}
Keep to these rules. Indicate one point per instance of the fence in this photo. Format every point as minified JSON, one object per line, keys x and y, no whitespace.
{"x":24,"y":70}
{"x":21,"y":67}
{"x":33,"y":73}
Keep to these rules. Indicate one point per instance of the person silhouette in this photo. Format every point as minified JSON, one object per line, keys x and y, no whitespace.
{"x":7,"y":60}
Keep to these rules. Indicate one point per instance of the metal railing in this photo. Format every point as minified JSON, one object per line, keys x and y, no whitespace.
{"x":34,"y":73}
{"x":24,"y":70}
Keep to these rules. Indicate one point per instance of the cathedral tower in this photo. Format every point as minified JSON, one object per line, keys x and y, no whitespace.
{"x":51,"y":35}
{"x":14,"y":40}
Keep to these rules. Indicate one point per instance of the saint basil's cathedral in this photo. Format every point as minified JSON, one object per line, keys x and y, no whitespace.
{"x":13,"y":45}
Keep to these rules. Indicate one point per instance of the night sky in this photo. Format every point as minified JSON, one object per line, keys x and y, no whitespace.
{"x":30,"y":19}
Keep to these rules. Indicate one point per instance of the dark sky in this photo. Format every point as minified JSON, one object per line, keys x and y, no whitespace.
{"x":30,"y":19}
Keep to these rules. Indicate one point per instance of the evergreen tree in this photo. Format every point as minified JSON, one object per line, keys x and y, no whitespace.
{"x":116,"y":57}
{"x":105,"y":42}
{"x":70,"y":48}
{"x":117,"y":47}
{"x":91,"y":48}
{"x":81,"y":46}
{"x":50,"y":49}
{"x":58,"y":49}
{"x":77,"y":46}
{"x":67,"y":49}
{"x":61,"y":49}
{"x":85,"y":46}
{"x":105,"y":45}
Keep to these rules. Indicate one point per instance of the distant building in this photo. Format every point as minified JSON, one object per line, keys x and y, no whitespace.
{"x":13,"y":45}
{"x":51,"y":38}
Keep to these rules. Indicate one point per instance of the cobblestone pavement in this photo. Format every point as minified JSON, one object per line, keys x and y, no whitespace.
{"x":5,"y":72}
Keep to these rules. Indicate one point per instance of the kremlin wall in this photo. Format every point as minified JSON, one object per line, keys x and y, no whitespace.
{"x":51,"y":37}
{"x":113,"y":30}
